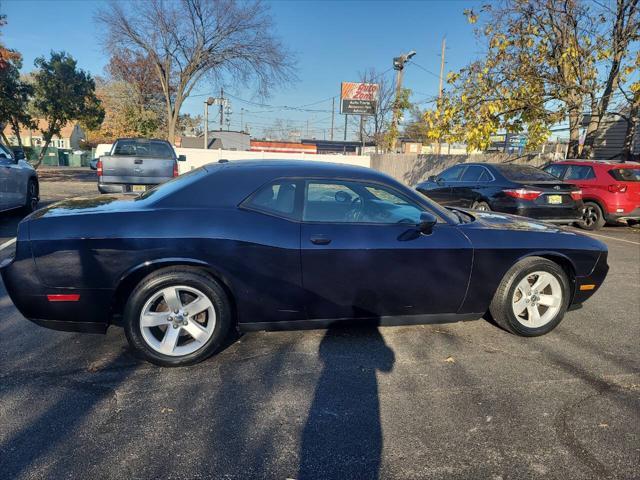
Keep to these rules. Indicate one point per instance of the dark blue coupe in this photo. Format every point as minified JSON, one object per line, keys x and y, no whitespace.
{"x":264,"y":245}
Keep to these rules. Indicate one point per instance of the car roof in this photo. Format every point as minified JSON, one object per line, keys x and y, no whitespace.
{"x":294,"y":168}
{"x":598,"y":163}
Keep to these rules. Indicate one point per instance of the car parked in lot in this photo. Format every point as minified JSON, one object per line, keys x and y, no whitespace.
{"x":610,"y":190}
{"x":274,"y":245}
{"x":19,"y":186}
{"x":516,"y":189}
{"x":135,"y":165}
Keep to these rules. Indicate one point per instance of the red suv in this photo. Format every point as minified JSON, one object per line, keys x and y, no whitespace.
{"x":611,"y":191}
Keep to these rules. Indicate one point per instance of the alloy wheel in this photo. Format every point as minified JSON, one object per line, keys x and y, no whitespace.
{"x":589,"y":215}
{"x":177,"y":320}
{"x":537,"y":299}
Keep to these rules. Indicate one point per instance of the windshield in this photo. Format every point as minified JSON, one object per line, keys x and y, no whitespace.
{"x":137,"y":148}
{"x":524,"y":173}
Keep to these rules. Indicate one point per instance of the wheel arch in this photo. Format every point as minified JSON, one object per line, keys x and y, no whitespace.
{"x":563,"y":261}
{"x":128,"y":281}
{"x":598,"y":202}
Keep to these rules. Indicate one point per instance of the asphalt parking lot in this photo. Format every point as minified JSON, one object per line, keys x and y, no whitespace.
{"x":464,"y":400}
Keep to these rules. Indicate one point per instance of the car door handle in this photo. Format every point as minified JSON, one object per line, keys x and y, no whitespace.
{"x":138,"y":161}
{"x":320,"y":240}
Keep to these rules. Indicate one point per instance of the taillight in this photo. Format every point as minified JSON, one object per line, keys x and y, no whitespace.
{"x":99,"y":168}
{"x":617,"y":188}
{"x":175,"y":169}
{"x":576,"y":194}
{"x":523,"y":193}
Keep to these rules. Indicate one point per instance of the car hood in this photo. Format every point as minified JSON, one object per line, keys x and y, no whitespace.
{"x":505,"y":221}
{"x":83,"y":205}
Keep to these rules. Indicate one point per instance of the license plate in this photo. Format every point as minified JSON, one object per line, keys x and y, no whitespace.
{"x":554,"y":199}
{"x":139,"y":188}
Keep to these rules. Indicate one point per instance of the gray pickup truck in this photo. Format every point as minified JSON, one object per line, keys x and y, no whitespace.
{"x":136,"y":164}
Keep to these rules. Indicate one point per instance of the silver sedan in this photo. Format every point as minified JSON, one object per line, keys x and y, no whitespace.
{"x":18,"y":182}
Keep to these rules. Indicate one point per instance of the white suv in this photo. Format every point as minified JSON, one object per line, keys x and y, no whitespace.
{"x":18,"y":182}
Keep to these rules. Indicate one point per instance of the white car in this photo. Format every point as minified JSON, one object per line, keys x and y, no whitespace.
{"x":19,"y":186}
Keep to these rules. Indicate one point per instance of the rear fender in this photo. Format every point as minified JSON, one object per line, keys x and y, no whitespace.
{"x":130,"y":279}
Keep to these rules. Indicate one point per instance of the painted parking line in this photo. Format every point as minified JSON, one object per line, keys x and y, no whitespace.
{"x":607,"y":236}
{"x":8,"y":243}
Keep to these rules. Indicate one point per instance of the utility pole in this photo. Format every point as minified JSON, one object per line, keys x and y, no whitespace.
{"x":398,"y":66}
{"x":333,"y":114}
{"x":345,"y":127}
{"x":444,"y":42}
{"x":362,"y":133}
{"x":241,"y":119}
{"x":307,"y":128}
{"x":207,"y":103}
{"x":221,"y":107}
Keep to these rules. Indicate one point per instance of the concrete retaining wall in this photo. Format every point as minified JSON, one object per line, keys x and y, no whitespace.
{"x":412,"y":169}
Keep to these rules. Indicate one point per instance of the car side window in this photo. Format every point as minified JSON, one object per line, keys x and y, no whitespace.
{"x":555,"y":170}
{"x":278,"y":198}
{"x":579,"y":172}
{"x":5,"y":156}
{"x":485,"y":176}
{"x":452,"y":174}
{"x":472,"y":174}
{"x":355,"y":202}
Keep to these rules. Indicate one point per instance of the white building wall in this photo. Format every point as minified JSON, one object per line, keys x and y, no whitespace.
{"x":197,"y":157}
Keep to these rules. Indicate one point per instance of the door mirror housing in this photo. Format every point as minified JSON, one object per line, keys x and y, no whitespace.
{"x":93,"y":164}
{"x":427,"y":221}
{"x":182,"y":158}
{"x":432,"y":178}
{"x":18,"y":155}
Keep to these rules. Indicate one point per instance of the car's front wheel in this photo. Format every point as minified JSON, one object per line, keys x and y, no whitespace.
{"x":177,"y":317}
{"x":532,"y":297}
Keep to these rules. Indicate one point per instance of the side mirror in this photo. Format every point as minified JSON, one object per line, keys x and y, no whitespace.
{"x":93,"y":164}
{"x":182,"y":158}
{"x":427,"y":221}
{"x":18,"y":155}
{"x":432,"y":178}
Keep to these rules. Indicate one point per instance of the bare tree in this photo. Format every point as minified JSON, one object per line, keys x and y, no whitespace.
{"x":188,"y":40}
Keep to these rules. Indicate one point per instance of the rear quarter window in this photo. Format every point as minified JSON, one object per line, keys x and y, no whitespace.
{"x":626,"y":174}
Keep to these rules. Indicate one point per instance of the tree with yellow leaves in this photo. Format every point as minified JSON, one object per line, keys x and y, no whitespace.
{"x":547,"y":62}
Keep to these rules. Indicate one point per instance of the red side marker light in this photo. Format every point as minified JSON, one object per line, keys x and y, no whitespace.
{"x":66,"y":297}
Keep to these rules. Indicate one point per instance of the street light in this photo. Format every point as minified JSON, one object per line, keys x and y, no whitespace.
{"x":207,"y":103}
{"x":398,"y":66}
{"x":398,"y":62}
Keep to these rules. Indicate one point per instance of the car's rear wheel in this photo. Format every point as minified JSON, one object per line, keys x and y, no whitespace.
{"x":481,"y":206}
{"x":592,"y":217}
{"x":32,"y":198}
{"x":532,"y":297}
{"x":177,"y":317}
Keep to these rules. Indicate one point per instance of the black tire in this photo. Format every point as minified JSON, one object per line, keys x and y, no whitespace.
{"x":482,"y":206}
{"x":592,"y":217}
{"x":502,"y":303}
{"x":149,"y":286}
{"x":32,"y":197}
